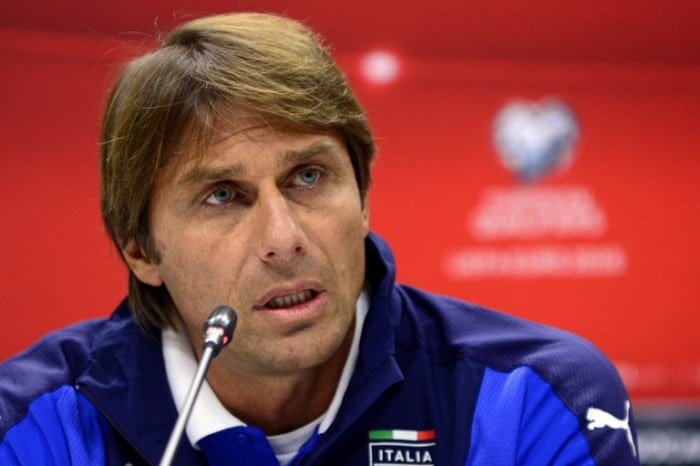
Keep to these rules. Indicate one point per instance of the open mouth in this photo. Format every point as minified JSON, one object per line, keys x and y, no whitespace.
{"x":291,"y":300}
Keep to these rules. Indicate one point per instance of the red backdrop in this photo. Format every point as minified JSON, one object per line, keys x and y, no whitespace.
{"x":634,"y":165}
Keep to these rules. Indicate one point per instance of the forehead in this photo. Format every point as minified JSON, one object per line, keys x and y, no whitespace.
{"x":247,"y":142}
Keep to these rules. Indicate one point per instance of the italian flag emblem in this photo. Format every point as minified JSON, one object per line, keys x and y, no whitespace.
{"x":399,"y":447}
{"x":410,"y":435}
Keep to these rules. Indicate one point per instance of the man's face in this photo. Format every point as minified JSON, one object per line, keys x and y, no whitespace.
{"x":272,"y":224}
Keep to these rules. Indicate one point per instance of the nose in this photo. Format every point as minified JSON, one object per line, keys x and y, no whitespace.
{"x":280,"y":236}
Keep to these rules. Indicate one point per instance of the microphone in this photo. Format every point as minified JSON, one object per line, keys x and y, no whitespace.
{"x":217,"y":332}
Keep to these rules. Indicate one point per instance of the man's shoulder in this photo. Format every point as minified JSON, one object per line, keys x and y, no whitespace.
{"x":63,"y":350}
{"x":479,"y":330}
{"x":53,"y":362}
{"x":455,"y":329}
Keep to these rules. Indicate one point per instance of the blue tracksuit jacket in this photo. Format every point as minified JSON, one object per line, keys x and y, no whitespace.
{"x":437,"y":382}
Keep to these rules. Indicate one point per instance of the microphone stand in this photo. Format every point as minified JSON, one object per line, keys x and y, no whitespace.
{"x":218,"y":332}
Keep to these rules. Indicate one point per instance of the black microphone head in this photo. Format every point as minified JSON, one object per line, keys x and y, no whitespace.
{"x":218,"y":328}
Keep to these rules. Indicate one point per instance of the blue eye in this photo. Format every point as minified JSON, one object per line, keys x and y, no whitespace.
{"x":309,"y":176}
{"x":222,"y":195}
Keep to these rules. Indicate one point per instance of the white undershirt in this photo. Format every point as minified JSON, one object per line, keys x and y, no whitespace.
{"x":209,"y":415}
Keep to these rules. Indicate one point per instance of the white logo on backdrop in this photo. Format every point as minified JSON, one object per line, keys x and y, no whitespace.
{"x":534,"y":139}
{"x":543,"y":225}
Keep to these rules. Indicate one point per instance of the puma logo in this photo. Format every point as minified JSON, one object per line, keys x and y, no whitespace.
{"x":598,"y":419}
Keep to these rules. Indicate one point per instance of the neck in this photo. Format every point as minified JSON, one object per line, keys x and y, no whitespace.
{"x":279,"y":403}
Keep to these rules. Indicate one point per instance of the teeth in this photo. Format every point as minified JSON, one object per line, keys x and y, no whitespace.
{"x":290,"y":300}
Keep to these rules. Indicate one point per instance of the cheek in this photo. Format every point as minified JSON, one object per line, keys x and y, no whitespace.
{"x":198,"y":272}
{"x":347,"y":247}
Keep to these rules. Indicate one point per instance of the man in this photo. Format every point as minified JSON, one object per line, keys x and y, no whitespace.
{"x":235,"y":165}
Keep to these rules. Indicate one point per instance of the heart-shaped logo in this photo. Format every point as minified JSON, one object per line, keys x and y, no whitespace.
{"x":535,"y":138}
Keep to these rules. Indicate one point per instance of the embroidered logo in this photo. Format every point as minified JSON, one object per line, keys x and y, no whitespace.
{"x":598,"y":419}
{"x":401,"y":447}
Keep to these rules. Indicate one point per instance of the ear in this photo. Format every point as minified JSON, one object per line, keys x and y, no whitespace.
{"x":365,"y":214}
{"x":140,"y":264}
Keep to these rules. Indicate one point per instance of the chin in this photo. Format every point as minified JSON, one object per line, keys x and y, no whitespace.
{"x":308,"y":353}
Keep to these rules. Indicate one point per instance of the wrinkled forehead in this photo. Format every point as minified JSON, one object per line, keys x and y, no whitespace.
{"x":200,"y":140}
{"x":200,"y":147}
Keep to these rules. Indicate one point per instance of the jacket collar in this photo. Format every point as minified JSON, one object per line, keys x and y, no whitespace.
{"x":376,"y":370}
{"x":126,"y":381}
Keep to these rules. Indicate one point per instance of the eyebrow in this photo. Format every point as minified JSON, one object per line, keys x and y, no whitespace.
{"x":201,"y":173}
{"x":294,"y":157}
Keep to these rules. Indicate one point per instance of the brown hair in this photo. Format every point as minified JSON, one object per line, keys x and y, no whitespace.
{"x":204,"y":72}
